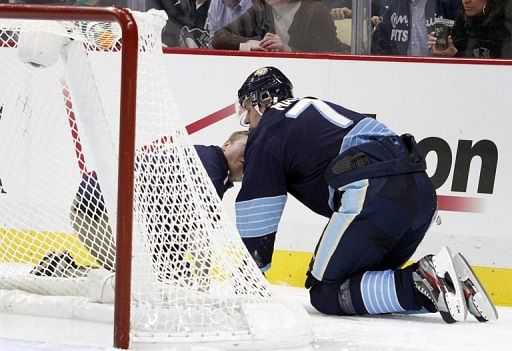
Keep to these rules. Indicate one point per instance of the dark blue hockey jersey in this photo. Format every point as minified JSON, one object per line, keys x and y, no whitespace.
{"x":213,"y":159}
{"x":288,"y":152}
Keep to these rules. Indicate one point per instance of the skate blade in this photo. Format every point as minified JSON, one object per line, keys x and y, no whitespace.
{"x":443,"y":264}
{"x":481,"y":299}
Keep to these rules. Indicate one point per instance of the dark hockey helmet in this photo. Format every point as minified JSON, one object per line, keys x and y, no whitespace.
{"x":266,"y":85}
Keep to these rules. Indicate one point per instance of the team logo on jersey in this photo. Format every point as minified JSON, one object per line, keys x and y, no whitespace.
{"x":261,"y":71}
{"x":396,"y":19}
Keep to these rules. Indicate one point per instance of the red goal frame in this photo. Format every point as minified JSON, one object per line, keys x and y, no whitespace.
{"x":127,"y":118}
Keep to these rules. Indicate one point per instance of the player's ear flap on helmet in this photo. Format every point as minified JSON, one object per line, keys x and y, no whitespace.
{"x":265,"y":98}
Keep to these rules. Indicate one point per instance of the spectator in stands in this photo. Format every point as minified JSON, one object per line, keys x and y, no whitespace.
{"x":196,"y":34}
{"x":480,"y":31}
{"x":188,"y":14}
{"x":223,"y":12}
{"x":200,"y":13}
{"x":404,"y":25}
{"x":181,"y":13}
{"x":341,"y":9}
{"x":281,"y":26}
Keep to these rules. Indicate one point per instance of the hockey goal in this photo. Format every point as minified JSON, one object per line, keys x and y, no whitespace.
{"x":103,"y":197}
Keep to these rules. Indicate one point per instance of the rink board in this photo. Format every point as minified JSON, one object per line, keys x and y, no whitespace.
{"x":289,"y":268}
{"x":464,"y":123}
{"x":465,"y":120}
{"x":29,"y":246}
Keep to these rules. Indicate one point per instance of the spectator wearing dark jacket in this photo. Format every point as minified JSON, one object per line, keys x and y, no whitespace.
{"x":479,"y":32}
{"x":180,"y":13}
{"x":405,"y":24}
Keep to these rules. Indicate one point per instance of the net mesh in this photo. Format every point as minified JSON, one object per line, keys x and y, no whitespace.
{"x":59,"y":125}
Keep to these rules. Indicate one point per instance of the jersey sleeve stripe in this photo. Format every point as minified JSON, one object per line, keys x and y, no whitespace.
{"x":366,"y":130}
{"x":259,"y":217}
{"x":261,"y":201}
{"x":258,"y":210}
{"x":258,"y":232}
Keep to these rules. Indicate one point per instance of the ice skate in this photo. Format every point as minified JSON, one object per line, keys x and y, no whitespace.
{"x":478,"y":301}
{"x":436,"y":278}
{"x":58,"y":264}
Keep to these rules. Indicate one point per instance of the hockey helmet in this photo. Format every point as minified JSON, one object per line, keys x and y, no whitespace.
{"x":266,"y":85}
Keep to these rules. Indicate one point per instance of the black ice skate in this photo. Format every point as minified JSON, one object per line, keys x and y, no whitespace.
{"x":58,"y":264}
{"x":477,"y":301}
{"x":437,"y":279}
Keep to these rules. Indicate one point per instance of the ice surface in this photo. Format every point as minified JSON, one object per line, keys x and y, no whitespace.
{"x":384,"y":332}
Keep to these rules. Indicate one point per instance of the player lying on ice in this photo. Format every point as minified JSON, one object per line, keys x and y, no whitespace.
{"x":372,"y":185}
{"x":90,"y":221}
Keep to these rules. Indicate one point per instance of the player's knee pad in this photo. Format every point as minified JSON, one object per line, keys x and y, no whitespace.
{"x":345,"y":299}
{"x":332,"y":298}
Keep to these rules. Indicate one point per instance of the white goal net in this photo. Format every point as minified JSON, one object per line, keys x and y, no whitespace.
{"x":192,"y":278}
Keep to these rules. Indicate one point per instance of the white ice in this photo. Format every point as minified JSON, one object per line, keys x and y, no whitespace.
{"x":385,"y":332}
